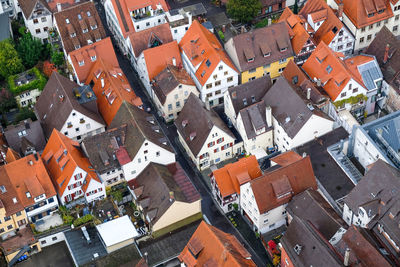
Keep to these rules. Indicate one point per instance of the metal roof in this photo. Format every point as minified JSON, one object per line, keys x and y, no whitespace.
{"x":370,"y":72}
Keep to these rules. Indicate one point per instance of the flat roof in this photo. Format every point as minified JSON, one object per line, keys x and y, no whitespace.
{"x":117,"y":230}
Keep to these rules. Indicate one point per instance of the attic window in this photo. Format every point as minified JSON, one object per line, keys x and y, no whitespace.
{"x":267,"y":55}
{"x":250,"y":59}
{"x":203,"y":73}
{"x":28,"y":195}
{"x":3,"y":189}
{"x":67,"y":21}
{"x":295,"y":79}
{"x":208,"y":63}
{"x":15,"y":200}
{"x":329,"y":69}
{"x":334,"y":29}
{"x":79,"y":17}
{"x":88,"y":13}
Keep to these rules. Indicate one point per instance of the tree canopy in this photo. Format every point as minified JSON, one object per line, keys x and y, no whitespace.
{"x":243,"y":10}
{"x":30,"y":49}
{"x":10,"y":62}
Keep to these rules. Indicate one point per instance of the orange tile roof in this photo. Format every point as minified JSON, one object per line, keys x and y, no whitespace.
{"x":214,"y":247}
{"x":278,"y":186}
{"x":339,"y":76}
{"x":103,"y":49}
{"x":29,"y":174}
{"x":287,"y":158}
{"x":357,"y":11}
{"x":299,"y":35}
{"x":122,"y":9}
{"x":60,"y":145}
{"x":233,"y":175}
{"x":159,"y":57}
{"x":319,"y":10}
{"x":198,"y":39}
{"x":11,"y":155}
{"x":118,"y":89}
{"x":9,"y":195}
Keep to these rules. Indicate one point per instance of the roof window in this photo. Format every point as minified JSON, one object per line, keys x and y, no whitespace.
{"x":250,"y":59}
{"x":297,"y":249}
{"x":244,"y":101}
{"x":79,"y":17}
{"x":67,"y":21}
{"x":203,"y":73}
{"x":3,"y":189}
{"x":88,"y":13}
{"x":208,"y":63}
{"x":15,"y":201}
{"x":334,"y":29}
{"x":329,"y":69}
{"x":28,"y":195}
{"x":295,"y":79}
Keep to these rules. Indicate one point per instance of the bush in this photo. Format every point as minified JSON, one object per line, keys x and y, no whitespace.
{"x":25,"y":113}
{"x":39,"y":83}
{"x":221,"y":35}
{"x":68,"y":219}
{"x":262,"y":23}
{"x":83,"y":220}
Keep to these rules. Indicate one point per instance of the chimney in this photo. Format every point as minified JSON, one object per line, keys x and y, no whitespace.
{"x":308,"y":93}
{"x":61,"y":97}
{"x":340,"y":10}
{"x":102,"y":82}
{"x":346,"y":257}
{"x":30,"y":162}
{"x":58,"y":7}
{"x":174,"y":61}
{"x":318,"y":82}
{"x":386,"y":56}
{"x":268,"y":116}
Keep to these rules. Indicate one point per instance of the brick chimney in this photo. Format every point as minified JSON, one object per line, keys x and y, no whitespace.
{"x":340,"y":10}
{"x":386,"y":55}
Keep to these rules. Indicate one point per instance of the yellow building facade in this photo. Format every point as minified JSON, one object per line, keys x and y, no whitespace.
{"x":12,"y":222}
{"x":274,"y":70}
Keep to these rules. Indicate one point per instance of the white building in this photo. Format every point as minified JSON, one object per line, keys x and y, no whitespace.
{"x":295,"y":119}
{"x":38,"y":18}
{"x":327,"y":26}
{"x":69,"y":108}
{"x":263,"y":200}
{"x":144,"y":141}
{"x":364,"y":23}
{"x":208,"y":64}
{"x":205,"y":137}
{"x":171,"y":89}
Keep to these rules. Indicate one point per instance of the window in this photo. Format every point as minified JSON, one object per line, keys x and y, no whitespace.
{"x":343,"y":94}
{"x":220,"y":67}
{"x":282,"y":61}
{"x":208,"y":63}
{"x":81,"y":63}
{"x":329,"y":69}
{"x":349,"y":45}
{"x":77,"y":129}
{"x":225,"y":73}
{"x":378,"y":24}
{"x":281,"y":70}
{"x":369,"y":37}
{"x":395,"y":28}
{"x":147,"y":23}
{"x":267,"y":66}
{"x":229,"y":79}
{"x":361,"y":40}
{"x":397,"y":17}
{"x":45,"y":29}
{"x":355,"y":90}
{"x":178,"y":104}
{"x":386,"y":21}
{"x":340,"y":47}
{"x":217,"y":83}
{"x":37,"y":30}
{"x":54,"y":238}
{"x":93,"y":58}
{"x":9,"y":227}
{"x":7,"y":218}
{"x":252,"y":70}
{"x":169,"y":107}
{"x":186,"y":93}
{"x":35,"y":21}
{"x":371,"y":27}
{"x":18,"y":213}
{"x":363,"y":29}
{"x":208,"y":86}
{"x":157,"y":153}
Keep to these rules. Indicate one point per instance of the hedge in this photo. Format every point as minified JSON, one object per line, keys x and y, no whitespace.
{"x":351,"y":100}
{"x":83,"y":220}
{"x":39,"y":83}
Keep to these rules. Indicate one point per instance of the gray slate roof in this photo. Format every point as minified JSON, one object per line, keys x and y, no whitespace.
{"x":242,"y":95}
{"x":254,"y":117}
{"x":57,"y":101}
{"x":199,"y":121}
{"x":288,"y":107}
{"x":4,"y":26}
{"x":141,"y":126}
{"x":34,"y":136}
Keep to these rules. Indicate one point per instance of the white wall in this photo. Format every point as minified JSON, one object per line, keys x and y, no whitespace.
{"x":141,"y":160}
{"x":88,"y":128}
{"x":343,"y":43}
{"x":108,"y":177}
{"x":43,"y":208}
{"x":73,"y":181}
{"x":228,"y":108}
{"x":47,"y":16}
{"x":27,"y":98}
{"x":51,"y":239}
{"x":364,"y":151}
{"x":95,"y":185}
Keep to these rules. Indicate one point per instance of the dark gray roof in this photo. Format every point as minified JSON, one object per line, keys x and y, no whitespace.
{"x":311,"y":206}
{"x":34,"y":135}
{"x":199,"y":122}
{"x":4,"y":26}
{"x":312,"y":249}
{"x":196,"y":9}
{"x":169,"y":245}
{"x":255,"y":44}
{"x":141,"y":126}
{"x":27,"y":6}
{"x":242,"y":95}
{"x":57,"y":101}
{"x":370,"y":72}
{"x":288,"y":107}
{"x":101,"y":148}
{"x":254,"y":118}
{"x":160,"y":186}
{"x":219,"y":19}
{"x":326,"y":170}
{"x":391,"y":68}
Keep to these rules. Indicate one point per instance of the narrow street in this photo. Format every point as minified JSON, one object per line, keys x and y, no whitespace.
{"x":210,"y":211}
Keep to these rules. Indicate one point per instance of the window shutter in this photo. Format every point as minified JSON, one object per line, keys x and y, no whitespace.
{"x":231,"y":144}
{"x":222,"y":147}
{"x":215,"y":150}
{"x":87,"y":194}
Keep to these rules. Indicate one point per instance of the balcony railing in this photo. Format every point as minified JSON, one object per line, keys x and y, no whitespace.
{"x":144,"y":16}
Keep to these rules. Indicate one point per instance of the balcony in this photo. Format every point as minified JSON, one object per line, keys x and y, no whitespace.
{"x":143,"y":16}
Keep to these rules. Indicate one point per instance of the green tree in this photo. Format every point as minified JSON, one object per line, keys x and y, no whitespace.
{"x":7,"y":101}
{"x":10,"y":62}
{"x":30,"y":50}
{"x":243,"y":10}
{"x":296,"y":7}
{"x":57,"y":58}
{"x":23,"y":114}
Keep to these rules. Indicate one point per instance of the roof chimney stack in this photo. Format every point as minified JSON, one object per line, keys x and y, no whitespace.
{"x":340,"y":10}
{"x":386,"y":56}
{"x":268,"y":116}
{"x":346,"y":257}
{"x":308,"y":93}
{"x":58,"y":7}
{"x":174,"y":61}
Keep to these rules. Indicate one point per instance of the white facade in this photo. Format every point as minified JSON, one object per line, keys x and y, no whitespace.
{"x":113,"y":25}
{"x":361,"y":218}
{"x":218,"y":146}
{"x":7,"y":6}
{"x":143,"y":74}
{"x":179,"y":24}
{"x":343,"y":42}
{"x":265,"y":222}
{"x":73,"y":190}
{"x":39,"y":22}
{"x":222,"y":78}
{"x":51,"y":239}
{"x":148,"y":152}
{"x":146,"y":18}
{"x":262,"y":141}
{"x":78,"y":126}
{"x":42,"y":205}
{"x":175,"y":101}
{"x":315,"y":126}
{"x":365,"y":35}
{"x":27,"y":98}
{"x":112,"y":177}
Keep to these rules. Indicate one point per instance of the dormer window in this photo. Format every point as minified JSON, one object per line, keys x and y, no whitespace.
{"x":88,"y":13}
{"x":283,"y":49}
{"x":79,"y":17}
{"x":93,"y":27}
{"x":93,"y":58}
{"x":370,"y":15}
{"x":73,"y":34}
{"x":381,"y":11}
{"x":81,"y":63}
{"x":77,"y":46}
{"x":250,"y":59}
{"x":85,"y":30}
{"x":267,"y":55}
{"x":67,"y":21}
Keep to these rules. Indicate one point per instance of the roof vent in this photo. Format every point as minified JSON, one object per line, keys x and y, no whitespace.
{"x":30,"y":162}
{"x":184,"y":123}
{"x":287,"y":119}
{"x":297,"y":249}
{"x":192,"y":136}
{"x":61,"y":97}
{"x":234,"y":95}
